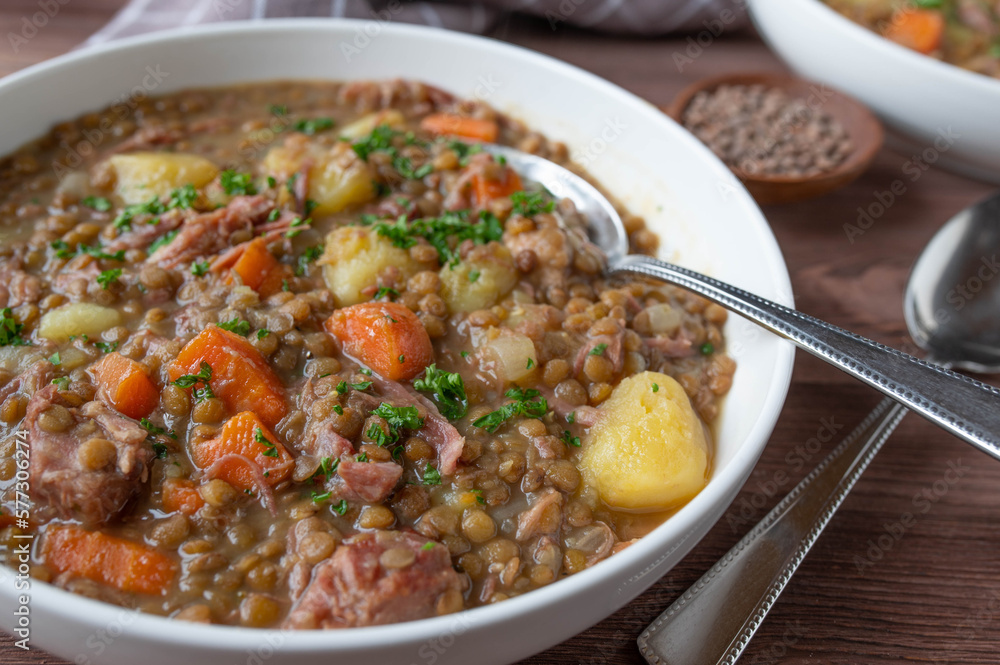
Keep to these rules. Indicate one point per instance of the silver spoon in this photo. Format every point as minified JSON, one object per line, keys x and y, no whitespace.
{"x":953,"y":311}
{"x":966,"y":408}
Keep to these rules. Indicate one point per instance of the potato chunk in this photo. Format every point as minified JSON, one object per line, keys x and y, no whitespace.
{"x":141,"y":175}
{"x":354,"y":259}
{"x":485,"y":275}
{"x":364,"y":125}
{"x":338,"y":178}
{"x":79,"y":318}
{"x":648,"y":451}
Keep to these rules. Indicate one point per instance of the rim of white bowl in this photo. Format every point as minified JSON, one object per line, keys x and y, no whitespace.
{"x":151,"y":628}
{"x":823,"y":13}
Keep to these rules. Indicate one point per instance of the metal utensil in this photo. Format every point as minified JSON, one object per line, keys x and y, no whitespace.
{"x":965,"y":407}
{"x":952,"y":310}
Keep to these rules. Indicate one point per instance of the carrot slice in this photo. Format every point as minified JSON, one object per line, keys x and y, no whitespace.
{"x":485,"y":190}
{"x":258,"y":269}
{"x":124,"y":386}
{"x":386,"y":336}
{"x":244,"y":437}
{"x":919,"y":29}
{"x":451,"y":124}
{"x":122,"y":564}
{"x":180,"y":496}
{"x":241,"y":377}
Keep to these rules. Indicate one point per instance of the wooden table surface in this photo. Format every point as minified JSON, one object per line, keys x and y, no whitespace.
{"x":933,"y":595}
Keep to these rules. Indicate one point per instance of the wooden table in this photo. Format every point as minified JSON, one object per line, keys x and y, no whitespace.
{"x":933,"y":596}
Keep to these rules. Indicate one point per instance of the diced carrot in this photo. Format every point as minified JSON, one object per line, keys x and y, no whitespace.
{"x":179,"y":495}
{"x":122,"y":564}
{"x":386,"y":336}
{"x":451,"y":124}
{"x":244,"y":435}
{"x":258,"y":269}
{"x":918,"y":29}
{"x":124,"y":385}
{"x":241,"y":377}
{"x":485,"y":190}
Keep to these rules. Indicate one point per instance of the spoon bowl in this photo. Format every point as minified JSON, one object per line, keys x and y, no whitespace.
{"x":967,"y":408}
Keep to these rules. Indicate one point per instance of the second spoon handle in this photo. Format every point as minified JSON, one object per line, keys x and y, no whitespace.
{"x":965,"y":407}
{"x":714,"y":620}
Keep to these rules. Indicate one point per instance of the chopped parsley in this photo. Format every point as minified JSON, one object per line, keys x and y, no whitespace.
{"x":598,"y":350}
{"x":363,"y":457}
{"x":270,"y":450}
{"x":98,"y":203}
{"x":338,"y":409}
{"x":444,"y":233}
{"x":342,"y":387}
{"x":429,"y":545}
{"x":571,"y":418}
{"x":274,"y":214}
{"x":64,"y":252}
{"x":262,"y":333}
{"x":160,"y":449}
{"x":165,"y":239}
{"x":10,"y":330}
{"x":237,"y":183}
{"x":199,"y":268}
{"x":479,"y":496}
{"x":296,"y":227}
{"x":364,"y":385}
{"x":62,"y":382}
{"x":380,"y":140}
{"x":474,"y":275}
{"x":310,"y":205}
{"x":181,"y":197}
{"x":55,"y":359}
{"x":385,"y":292}
{"x":570,"y":440}
{"x":290,"y":183}
{"x":524,"y":404}
{"x":313,"y":125}
{"x":203,"y":376}
{"x":236,"y":325}
{"x":156,"y":430}
{"x":320,"y":497}
{"x":530,"y":363}
{"x":340,"y":508}
{"x":109,"y":277}
{"x":397,"y":418}
{"x":656,"y":387}
{"x":431,"y":476}
{"x":309,"y":254}
{"x":447,"y":389}
{"x":277,"y":109}
{"x":464,"y":150}
{"x":530,"y":203}
{"x":106,"y":347}
{"x":365,"y":371}
{"x":707,"y":349}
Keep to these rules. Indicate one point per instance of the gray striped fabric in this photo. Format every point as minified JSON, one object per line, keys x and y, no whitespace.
{"x":644,"y":17}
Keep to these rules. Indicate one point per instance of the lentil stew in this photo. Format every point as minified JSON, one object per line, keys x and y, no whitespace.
{"x":301,"y":354}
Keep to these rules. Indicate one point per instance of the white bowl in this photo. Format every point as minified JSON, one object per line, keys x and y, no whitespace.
{"x":941,"y":114}
{"x":702,"y":213}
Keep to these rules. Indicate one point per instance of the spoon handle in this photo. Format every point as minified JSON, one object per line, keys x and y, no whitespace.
{"x":713,"y":621}
{"x":967,"y":408}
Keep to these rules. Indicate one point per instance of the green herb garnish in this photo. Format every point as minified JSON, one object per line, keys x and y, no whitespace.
{"x":447,"y":389}
{"x":236,"y":325}
{"x":98,"y":203}
{"x":237,"y":183}
{"x":530,"y":203}
{"x":109,"y":277}
{"x":524,"y":404}
{"x":270,"y":450}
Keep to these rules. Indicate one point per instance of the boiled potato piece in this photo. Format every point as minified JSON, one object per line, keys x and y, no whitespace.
{"x":354,"y":259}
{"x":480,"y":280}
{"x":79,"y":318}
{"x":648,"y":450}
{"x":141,"y":175}
{"x":364,"y":126}
{"x":338,"y":178}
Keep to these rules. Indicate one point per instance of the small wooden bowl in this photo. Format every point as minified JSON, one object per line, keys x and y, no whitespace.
{"x":863,"y":128}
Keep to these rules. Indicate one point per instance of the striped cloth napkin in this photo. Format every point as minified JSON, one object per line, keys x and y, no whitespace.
{"x":645,"y":17}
